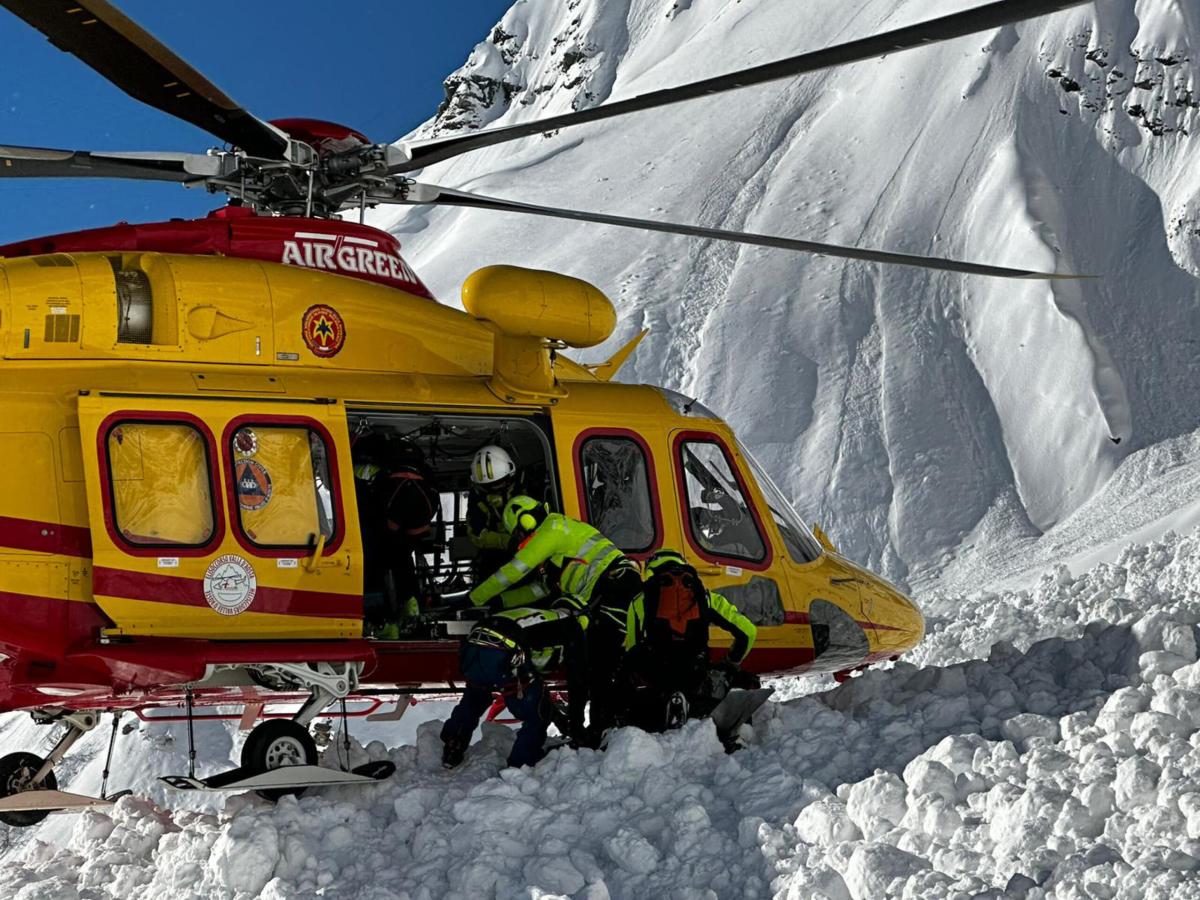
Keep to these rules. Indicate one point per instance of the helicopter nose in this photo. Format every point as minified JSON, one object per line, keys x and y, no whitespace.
{"x":896,"y":619}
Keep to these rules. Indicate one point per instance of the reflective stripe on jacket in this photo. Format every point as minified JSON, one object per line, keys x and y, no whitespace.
{"x":576,"y":551}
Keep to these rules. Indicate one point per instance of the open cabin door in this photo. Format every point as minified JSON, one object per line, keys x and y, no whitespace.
{"x":222,"y":518}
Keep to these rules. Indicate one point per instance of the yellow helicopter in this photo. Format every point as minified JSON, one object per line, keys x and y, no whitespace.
{"x":179,"y":523}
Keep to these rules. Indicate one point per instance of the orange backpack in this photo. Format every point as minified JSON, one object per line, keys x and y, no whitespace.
{"x":678,"y":601}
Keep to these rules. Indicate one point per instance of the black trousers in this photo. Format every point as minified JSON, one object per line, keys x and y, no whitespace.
{"x":606,"y":642}
{"x":649,"y":676}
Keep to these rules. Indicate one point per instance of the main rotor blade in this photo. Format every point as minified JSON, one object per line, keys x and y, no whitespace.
{"x":438,"y":196}
{"x":36,"y":162}
{"x":136,"y":62}
{"x":983,"y":18}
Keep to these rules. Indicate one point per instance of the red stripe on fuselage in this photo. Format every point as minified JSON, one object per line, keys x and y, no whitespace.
{"x":791,"y":617}
{"x":45,"y":537}
{"x":46,"y":625}
{"x":190,"y":592}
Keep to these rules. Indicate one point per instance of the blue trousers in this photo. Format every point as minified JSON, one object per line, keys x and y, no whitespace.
{"x":532,"y":710}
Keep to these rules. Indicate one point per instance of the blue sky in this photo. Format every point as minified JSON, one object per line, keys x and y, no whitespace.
{"x":377,"y":67}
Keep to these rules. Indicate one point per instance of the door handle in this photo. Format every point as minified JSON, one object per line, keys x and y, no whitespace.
{"x":315,"y":559}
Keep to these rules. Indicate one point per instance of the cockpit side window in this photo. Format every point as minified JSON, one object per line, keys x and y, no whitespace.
{"x":719,"y":517}
{"x":802,"y":547}
{"x":618,"y":493}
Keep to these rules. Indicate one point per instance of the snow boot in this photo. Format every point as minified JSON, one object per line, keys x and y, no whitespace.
{"x":453,"y":753}
{"x":677,"y":711}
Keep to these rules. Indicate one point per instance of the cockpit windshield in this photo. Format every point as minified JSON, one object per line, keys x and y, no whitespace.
{"x":802,"y":547}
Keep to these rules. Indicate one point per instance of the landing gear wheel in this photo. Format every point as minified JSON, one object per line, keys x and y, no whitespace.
{"x":277,"y":743}
{"x":16,"y":774}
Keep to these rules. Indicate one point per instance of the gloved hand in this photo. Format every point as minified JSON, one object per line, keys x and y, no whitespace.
{"x":729,"y":667}
{"x":716,"y":684}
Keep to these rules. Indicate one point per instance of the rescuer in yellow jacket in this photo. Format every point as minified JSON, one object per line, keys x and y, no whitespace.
{"x":582,"y":570}
{"x":493,"y":483}
{"x":667,"y":668}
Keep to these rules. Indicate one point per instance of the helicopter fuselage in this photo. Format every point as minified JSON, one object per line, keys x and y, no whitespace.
{"x":179,"y":508}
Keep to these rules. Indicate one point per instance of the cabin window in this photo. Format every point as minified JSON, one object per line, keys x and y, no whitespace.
{"x":160,"y":482}
{"x":617,"y":490}
{"x":759,"y":600}
{"x":719,"y":517}
{"x":282,"y":485}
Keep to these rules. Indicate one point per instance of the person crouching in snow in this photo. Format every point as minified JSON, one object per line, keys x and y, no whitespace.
{"x":582,"y":571}
{"x":666,"y":672}
{"x":511,"y":652}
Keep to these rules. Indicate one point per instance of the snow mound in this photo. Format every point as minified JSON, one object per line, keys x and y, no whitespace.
{"x":1148,"y":585}
{"x":1066,"y":769}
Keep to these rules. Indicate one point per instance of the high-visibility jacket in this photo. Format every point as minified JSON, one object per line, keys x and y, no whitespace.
{"x":717,"y":611}
{"x":485,"y":526}
{"x":574,"y":556}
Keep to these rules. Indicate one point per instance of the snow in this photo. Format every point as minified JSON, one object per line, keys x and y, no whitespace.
{"x":961,"y":435}
{"x":1042,"y":743}
{"x":874,"y":393}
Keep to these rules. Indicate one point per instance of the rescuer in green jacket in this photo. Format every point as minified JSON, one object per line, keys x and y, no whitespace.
{"x":667,"y":671}
{"x":583,"y":571}
{"x":493,"y":481}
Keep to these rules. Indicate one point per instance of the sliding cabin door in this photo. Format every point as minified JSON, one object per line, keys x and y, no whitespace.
{"x":222,"y":518}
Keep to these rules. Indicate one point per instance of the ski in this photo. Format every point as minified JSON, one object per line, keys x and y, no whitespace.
{"x":285,"y":777}
{"x":54,"y":801}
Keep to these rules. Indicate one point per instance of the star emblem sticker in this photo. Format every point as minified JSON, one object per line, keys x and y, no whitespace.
{"x":323,"y":330}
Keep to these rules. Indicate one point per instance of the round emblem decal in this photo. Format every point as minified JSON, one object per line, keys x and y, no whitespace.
{"x":253,"y":485}
{"x":230,"y":584}
{"x":246,"y":442}
{"x":324,"y":331}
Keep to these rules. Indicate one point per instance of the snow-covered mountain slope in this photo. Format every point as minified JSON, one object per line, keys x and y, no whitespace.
{"x":1065,"y":767}
{"x":917,"y":415}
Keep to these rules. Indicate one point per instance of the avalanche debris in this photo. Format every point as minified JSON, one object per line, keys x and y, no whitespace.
{"x":1066,"y":769}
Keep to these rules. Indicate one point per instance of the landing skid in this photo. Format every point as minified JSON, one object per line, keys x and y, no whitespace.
{"x":285,"y":778}
{"x":55,"y":801}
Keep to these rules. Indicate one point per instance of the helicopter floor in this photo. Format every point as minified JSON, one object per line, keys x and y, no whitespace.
{"x":286,"y":777}
{"x":54,"y":801}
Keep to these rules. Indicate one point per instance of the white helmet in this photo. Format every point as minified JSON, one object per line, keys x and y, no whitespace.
{"x":491,"y":464}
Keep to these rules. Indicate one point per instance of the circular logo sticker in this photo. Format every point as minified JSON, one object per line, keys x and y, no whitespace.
{"x":246,"y":442}
{"x":253,"y":485}
{"x":323,"y":330}
{"x":230,"y":584}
